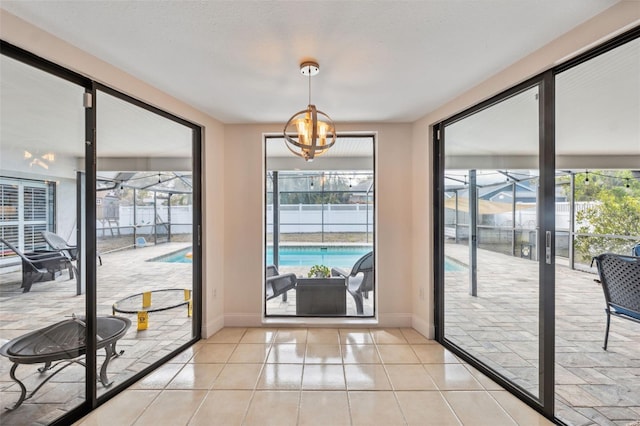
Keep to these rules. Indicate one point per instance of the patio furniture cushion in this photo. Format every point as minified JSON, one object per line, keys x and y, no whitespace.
{"x":627,"y":312}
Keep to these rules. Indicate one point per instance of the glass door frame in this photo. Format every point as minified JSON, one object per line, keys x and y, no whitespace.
{"x":88,"y":226}
{"x":546,"y":214}
{"x":545,"y":235}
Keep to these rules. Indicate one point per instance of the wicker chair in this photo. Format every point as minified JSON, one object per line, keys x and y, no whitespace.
{"x":620,"y":278}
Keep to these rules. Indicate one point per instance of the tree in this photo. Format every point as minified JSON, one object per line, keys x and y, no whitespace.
{"x":616,"y":211}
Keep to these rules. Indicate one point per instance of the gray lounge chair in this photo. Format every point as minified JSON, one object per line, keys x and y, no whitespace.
{"x":620,"y":279}
{"x":277,"y":284}
{"x":359,"y":281}
{"x":40,"y":265}
{"x":59,"y":244}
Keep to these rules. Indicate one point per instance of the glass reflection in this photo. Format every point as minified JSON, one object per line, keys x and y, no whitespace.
{"x":490,"y":209}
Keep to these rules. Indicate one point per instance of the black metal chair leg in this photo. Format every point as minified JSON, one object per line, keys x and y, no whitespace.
{"x":109,"y":351}
{"x":606,"y":333}
{"x":23,"y":390}
{"x":45,"y":367}
{"x":359,"y":303}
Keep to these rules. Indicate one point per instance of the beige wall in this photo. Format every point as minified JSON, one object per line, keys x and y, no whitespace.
{"x":614,"y":21}
{"x":244,"y":218}
{"x":26,"y":36}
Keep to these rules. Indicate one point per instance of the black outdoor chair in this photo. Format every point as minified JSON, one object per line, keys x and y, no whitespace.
{"x":359,"y":281}
{"x":620,"y":279}
{"x":41,"y":265}
{"x":277,"y":284}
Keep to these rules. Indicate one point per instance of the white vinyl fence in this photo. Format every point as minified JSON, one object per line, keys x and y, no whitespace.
{"x":301,"y":218}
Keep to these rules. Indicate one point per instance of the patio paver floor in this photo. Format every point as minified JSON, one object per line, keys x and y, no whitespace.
{"x":122,"y":274}
{"x":500,"y":326}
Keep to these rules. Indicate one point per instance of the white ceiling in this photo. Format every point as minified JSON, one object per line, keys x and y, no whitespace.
{"x":597,"y":114}
{"x":381,"y":61}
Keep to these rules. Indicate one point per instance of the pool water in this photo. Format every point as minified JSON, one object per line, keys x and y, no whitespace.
{"x":451,"y":265}
{"x":179,"y":256}
{"x":341,"y":257}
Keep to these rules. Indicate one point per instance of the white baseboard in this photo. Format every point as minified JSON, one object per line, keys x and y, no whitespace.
{"x":256,"y":320}
{"x":242,"y":320}
{"x":394,"y":320}
{"x":212,"y":327}
{"x":423,"y":327}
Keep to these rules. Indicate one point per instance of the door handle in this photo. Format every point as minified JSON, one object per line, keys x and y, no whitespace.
{"x":547,"y":248}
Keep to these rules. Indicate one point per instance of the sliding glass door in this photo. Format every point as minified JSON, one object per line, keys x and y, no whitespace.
{"x":494,"y":242}
{"x":99,"y":261}
{"x":144,"y":231}
{"x":41,"y":278}
{"x":532,"y":185}
{"x":598,"y":211}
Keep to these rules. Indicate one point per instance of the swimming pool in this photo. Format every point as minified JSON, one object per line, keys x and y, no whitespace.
{"x":304,"y":256}
{"x":340,"y":256}
{"x":451,"y":265}
{"x":179,"y":256}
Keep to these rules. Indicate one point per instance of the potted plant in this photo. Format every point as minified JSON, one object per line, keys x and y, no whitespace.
{"x":319,"y":271}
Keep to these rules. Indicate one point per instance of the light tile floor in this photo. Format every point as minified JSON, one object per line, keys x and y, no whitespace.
{"x":315,"y":376}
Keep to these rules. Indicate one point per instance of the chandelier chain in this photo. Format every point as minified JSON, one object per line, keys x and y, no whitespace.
{"x":309,"y":77}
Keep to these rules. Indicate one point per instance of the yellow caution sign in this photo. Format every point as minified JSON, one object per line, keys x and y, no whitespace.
{"x":143,"y":320}
{"x":187,"y":294}
{"x":146,"y":299}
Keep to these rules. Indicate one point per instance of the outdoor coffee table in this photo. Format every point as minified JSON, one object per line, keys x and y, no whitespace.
{"x":61,"y":343}
{"x":153,"y":301}
{"x":322,"y":297}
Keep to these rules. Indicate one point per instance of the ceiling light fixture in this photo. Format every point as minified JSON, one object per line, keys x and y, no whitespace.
{"x":309,"y":133}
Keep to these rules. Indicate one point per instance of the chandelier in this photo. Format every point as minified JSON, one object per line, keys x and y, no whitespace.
{"x":309,"y":133}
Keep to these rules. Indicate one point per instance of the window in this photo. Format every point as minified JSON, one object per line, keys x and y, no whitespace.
{"x":27,"y":208}
{"x":320,"y":223}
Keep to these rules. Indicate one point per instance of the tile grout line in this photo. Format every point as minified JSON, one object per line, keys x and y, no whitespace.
{"x":393,"y":389}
